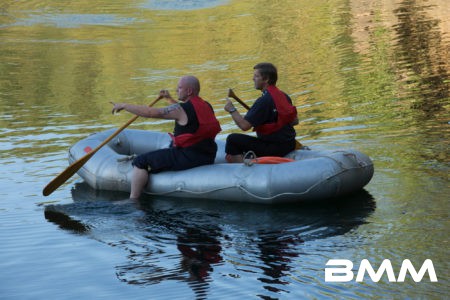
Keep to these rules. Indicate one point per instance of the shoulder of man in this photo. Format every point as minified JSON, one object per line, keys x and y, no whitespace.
{"x":186,"y":105}
{"x":288,"y":97}
{"x":264,"y":99}
{"x":260,"y":108}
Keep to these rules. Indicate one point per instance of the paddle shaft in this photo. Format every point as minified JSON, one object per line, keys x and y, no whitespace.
{"x":233,"y":95}
{"x":73,"y":168}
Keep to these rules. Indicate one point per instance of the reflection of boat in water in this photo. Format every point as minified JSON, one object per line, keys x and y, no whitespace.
{"x":313,"y":175}
{"x":89,"y":202}
{"x":189,"y":240}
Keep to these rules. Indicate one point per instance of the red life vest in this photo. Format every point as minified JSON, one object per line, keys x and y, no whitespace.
{"x":208,"y":126}
{"x":286,"y":112}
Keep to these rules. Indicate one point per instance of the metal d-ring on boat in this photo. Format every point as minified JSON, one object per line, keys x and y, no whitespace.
{"x":313,"y":175}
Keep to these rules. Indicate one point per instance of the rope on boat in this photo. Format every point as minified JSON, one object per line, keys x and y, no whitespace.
{"x":179,"y":189}
{"x":126,"y":158}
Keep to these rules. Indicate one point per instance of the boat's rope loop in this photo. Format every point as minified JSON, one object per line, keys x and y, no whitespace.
{"x":360,"y":162}
{"x":354,"y":156}
{"x":249,"y":158}
{"x":127,"y":158}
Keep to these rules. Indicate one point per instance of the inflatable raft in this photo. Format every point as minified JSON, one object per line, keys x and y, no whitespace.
{"x":313,"y":175}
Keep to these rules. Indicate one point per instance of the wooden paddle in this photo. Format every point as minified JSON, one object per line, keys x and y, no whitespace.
{"x":73,"y":168}
{"x":231,"y":94}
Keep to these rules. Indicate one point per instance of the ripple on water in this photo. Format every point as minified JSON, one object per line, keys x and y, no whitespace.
{"x":71,"y":21}
{"x":195,"y":241}
{"x":181,"y":5}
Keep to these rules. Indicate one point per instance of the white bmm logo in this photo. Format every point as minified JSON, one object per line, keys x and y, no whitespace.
{"x":344,"y":272}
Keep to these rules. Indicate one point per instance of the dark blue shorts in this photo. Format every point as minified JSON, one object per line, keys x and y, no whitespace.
{"x":238,"y":143}
{"x":173,"y":159}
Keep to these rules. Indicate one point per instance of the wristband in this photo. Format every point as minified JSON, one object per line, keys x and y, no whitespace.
{"x":232,"y":110}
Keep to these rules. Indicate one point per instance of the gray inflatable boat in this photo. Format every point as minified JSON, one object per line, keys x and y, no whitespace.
{"x":312,"y":176}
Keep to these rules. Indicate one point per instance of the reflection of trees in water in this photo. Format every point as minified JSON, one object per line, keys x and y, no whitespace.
{"x":423,"y":51}
{"x":188,"y":240}
{"x":423,"y":60}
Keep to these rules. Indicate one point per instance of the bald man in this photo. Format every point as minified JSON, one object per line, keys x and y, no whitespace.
{"x":193,"y":136}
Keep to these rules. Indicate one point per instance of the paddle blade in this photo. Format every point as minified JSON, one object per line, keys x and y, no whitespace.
{"x":65,"y":175}
{"x":73,"y":168}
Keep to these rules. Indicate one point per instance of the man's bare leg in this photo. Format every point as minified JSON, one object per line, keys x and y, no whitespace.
{"x":138,"y":182}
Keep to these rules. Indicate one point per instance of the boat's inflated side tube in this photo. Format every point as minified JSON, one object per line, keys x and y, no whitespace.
{"x":312,"y":176}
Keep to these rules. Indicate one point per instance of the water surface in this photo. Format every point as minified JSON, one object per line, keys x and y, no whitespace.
{"x":371,"y":75}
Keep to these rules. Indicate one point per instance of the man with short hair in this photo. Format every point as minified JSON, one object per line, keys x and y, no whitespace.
{"x":272,"y":116}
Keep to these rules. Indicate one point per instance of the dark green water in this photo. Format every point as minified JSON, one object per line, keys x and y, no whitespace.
{"x":374,"y":76}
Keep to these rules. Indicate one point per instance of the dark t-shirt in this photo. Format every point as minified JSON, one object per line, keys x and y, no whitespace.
{"x":205,"y":146}
{"x":192,"y":121}
{"x":263,"y":111}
